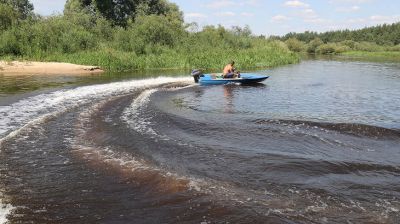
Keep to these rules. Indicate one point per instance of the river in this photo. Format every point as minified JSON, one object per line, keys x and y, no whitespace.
{"x":318,"y":142}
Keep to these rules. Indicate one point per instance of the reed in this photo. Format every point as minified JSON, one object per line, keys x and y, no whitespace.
{"x":270,"y":55}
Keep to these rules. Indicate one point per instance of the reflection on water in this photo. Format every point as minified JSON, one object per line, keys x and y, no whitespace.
{"x":228,"y":95}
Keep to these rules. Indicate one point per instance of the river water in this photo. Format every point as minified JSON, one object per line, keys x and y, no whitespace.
{"x":318,"y":142}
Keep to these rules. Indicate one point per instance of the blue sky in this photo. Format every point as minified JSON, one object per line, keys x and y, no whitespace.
{"x":276,"y":17}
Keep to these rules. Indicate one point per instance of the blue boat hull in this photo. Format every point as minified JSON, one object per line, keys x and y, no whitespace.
{"x":245,"y":78}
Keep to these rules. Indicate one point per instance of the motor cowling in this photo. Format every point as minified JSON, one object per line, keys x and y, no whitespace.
{"x":196,"y":73}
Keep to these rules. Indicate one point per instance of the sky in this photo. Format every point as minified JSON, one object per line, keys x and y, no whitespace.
{"x":275,"y":17}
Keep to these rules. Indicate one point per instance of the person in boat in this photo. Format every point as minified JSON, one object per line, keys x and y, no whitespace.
{"x":230,"y":71}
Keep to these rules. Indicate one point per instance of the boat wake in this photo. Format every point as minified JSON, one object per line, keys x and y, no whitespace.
{"x":361,"y":130}
{"x":137,"y":151}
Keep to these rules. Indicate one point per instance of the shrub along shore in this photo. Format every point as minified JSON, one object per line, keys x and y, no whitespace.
{"x":149,"y":35}
{"x":379,"y":42}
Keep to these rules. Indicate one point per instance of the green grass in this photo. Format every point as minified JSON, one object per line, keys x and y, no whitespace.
{"x":114,"y":60}
{"x":379,"y":55}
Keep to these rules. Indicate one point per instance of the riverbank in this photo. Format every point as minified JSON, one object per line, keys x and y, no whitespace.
{"x":45,"y":68}
{"x":377,"y":55}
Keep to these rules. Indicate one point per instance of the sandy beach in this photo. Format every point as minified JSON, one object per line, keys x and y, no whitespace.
{"x":45,"y":68}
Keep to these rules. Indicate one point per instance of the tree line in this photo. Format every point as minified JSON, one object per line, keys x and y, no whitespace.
{"x":386,"y":34}
{"x":379,"y":38}
{"x":130,"y":34}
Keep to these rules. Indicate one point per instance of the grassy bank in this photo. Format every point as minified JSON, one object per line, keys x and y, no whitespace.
{"x":269,"y":54}
{"x":145,"y":40}
{"x":379,"y":56}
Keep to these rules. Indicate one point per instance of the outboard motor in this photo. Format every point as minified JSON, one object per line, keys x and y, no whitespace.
{"x":197,"y":73}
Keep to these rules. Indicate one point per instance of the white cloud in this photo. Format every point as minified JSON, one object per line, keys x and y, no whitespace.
{"x":316,"y":20}
{"x":251,"y":2}
{"x":225,"y":14}
{"x":353,"y":8}
{"x":307,"y":15}
{"x":309,"y":12}
{"x":384,"y":19}
{"x":357,"y":21}
{"x":195,"y":15}
{"x":279,"y":18}
{"x":296,"y":4}
{"x":350,"y":1}
{"x":247,"y":14}
{"x":221,"y":4}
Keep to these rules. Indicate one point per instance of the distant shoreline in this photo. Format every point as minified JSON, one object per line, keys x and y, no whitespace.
{"x":45,"y":68}
{"x":389,"y":56}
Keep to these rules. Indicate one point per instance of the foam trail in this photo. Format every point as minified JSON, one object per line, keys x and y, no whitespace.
{"x":131,"y":115}
{"x":5,"y":209}
{"x":23,"y":112}
{"x":126,"y":164}
{"x":28,"y":112}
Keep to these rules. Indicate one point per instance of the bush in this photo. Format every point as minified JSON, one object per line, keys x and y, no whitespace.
{"x":157,"y":29}
{"x":341,"y":48}
{"x":314,"y":44}
{"x":367,"y":46}
{"x":326,"y":48}
{"x":295,"y":45}
{"x":395,"y":48}
{"x":9,"y":44}
{"x":349,"y":43}
{"x":332,"y":48}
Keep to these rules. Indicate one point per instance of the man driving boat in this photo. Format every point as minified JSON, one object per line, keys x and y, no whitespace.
{"x":230,"y":71}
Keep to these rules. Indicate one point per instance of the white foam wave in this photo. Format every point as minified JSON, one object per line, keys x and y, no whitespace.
{"x":5,"y":209}
{"x":126,"y":163}
{"x":137,"y":121}
{"x":25,"y":111}
{"x":141,"y":122}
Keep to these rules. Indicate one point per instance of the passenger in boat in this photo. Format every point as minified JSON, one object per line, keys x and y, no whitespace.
{"x":230,"y":71}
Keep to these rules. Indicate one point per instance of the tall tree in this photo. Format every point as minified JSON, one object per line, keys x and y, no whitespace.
{"x":8,"y":16}
{"x":23,"y":7}
{"x":120,"y":11}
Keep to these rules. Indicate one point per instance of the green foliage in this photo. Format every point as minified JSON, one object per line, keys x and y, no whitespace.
{"x":119,"y":12}
{"x":373,"y":39}
{"x":314,"y":44}
{"x":386,"y":34}
{"x":375,"y":56}
{"x":349,"y":43}
{"x":332,"y":48}
{"x":367,"y":46}
{"x":8,"y":16}
{"x":395,"y":48}
{"x":295,"y":45}
{"x":153,"y":36}
{"x":326,"y":48}
{"x":158,"y":30}
{"x":9,"y":44}
{"x":23,"y":7}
